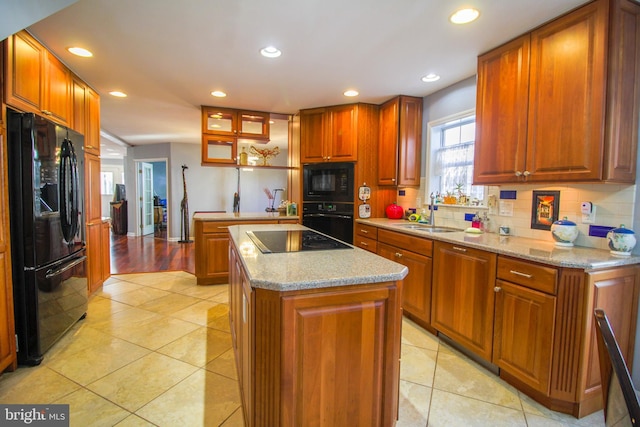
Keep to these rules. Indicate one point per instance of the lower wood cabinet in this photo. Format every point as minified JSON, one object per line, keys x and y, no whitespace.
{"x":463,"y":298}
{"x":316,"y":357}
{"x":416,"y":288}
{"x":212,"y":248}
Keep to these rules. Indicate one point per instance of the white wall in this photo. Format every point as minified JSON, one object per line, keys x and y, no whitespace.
{"x":209,"y":188}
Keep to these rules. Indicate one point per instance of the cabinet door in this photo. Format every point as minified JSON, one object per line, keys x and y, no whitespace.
{"x":57,"y":90}
{"x":312,"y":135}
{"x":566,"y":98}
{"x":524,"y":325}
{"x":92,"y":125}
{"x":388,"y":142}
{"x":463,"y":298}
{"x":94,"y":258}
{"x":219,"y":121}
{"x":7,"y":326}
{"x":253,"y":125}
{"x":79,"y":110}
{"x":340,"y":351}
{"x":214,"y":257}
{"x":342,"y":143}
{"x":93,"y":198}
{"x":501,"y":113}
{"x":25,"y":68}
{"x":219,"y":149}
{"x":105,"y":243}
{"x":410,"y":141}
{"x":416,"y":287}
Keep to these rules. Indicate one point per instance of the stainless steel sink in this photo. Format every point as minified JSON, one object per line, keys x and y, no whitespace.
{"x":426,"y":228}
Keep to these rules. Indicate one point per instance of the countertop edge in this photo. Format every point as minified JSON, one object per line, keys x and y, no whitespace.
{"x":545,"y":252}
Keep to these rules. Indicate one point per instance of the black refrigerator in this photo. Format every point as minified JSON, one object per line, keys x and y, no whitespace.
{"x":46,"y":211}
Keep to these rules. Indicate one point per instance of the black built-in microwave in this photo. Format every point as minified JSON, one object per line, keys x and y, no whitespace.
{"x":329,"y":182}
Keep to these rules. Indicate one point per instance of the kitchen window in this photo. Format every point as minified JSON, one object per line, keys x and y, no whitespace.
{"x":451,"y":144}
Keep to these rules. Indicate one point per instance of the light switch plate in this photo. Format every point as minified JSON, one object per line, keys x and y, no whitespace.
{"x":589,"y":218}
{"x":506,"y":208}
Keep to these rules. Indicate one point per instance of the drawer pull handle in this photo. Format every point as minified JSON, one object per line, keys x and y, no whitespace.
{"x":364,"y":231}
{"x":364,"y":243}
{"x":497,"y":289}
{"x":398,"y":255}
{"x":459,"y":249}
{"x":223,"y":228}
{"x":518,"y":273}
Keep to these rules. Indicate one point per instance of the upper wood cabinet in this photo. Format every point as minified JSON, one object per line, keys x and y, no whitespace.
{"x":86,"y":115}
{"x":36,"y":81}
{"x":560,"y":104}
{"x":329,"y":134}
{"x":223,"y":127}
{"x":400,"y":142}
{"x":227,"y":121}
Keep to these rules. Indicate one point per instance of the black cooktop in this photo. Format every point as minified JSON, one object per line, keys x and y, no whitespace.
{"x":278,"y":241}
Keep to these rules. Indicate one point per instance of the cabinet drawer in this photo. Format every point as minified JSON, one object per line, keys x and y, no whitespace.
{"x":366,"y":243}
{"x":404,"y":241}
{"x":368,"y":231}
{"x":525,"y":273}
{"x":216,"y":226}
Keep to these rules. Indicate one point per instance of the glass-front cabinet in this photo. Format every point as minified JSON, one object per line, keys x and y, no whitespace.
{"x":231,"y":122}
{"x":219,"y":149}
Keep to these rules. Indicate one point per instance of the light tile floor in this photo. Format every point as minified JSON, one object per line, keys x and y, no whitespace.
{"x":155,"y":349}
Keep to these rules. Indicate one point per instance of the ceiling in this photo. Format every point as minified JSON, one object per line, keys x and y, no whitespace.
{"x":169,"y":55}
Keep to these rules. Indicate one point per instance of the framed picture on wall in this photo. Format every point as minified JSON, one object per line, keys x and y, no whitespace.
{"x":544,"y":209}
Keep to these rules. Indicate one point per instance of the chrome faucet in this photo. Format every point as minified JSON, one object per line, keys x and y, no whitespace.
{"x":431,"y":209}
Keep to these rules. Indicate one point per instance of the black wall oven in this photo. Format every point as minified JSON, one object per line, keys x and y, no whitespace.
{"x":328,"y":195}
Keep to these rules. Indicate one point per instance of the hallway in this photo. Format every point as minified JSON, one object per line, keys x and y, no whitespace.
{"x":147,"y":254}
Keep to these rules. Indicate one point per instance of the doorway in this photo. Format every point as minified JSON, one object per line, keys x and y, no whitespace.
{"x":151,"y":205}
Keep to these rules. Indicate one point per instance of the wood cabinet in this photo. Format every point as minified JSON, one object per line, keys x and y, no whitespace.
{"x":414,"y":253}
{"x":329,"y":354}
{"x":400,"y":142}
{"x":560,"y":104}
{"x":8,"y":358}
{"x":86,"y":115}
{"x":329,"y":134}
{"x":221,"y":129}
{"x":105,"y":247}
{"x":212,"y":248}
{"x":463,"y":299}
{"x":98,"y":240}
{"x":525,"y":314}
{"x":36,"y":81}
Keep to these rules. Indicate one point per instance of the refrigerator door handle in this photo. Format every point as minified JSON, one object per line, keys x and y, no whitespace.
{"x":53,"y":273}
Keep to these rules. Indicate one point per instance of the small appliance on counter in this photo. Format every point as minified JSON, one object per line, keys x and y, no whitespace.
{"x":621,"y":241}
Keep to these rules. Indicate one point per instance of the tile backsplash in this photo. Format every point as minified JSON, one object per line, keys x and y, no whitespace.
{"x":614,"y":206}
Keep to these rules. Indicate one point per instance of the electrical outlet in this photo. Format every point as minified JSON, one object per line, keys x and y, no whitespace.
{"x":589,"y":218}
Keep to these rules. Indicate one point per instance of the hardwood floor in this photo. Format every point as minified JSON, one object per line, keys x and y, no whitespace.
{"x":148,"y":254}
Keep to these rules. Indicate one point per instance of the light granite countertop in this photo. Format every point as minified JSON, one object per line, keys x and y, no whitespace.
{"x":518,"y":247}
{"x":239,"y":216}
{"x":313,"y":269}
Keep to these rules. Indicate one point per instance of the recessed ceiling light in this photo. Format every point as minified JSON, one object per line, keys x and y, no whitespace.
{"x":431,"y":77}
{"x":218,"y":94}
{"x":351,"y":92}
{"x":118,"y":94}
{"x":464,"y":16}
{"x":270,"y":52}
{"x":80,"y":51}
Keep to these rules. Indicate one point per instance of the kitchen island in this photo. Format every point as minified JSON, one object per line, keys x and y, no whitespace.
{"x":316,"y":334}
